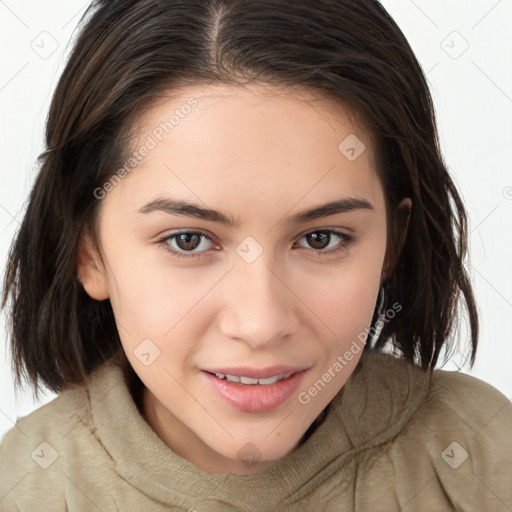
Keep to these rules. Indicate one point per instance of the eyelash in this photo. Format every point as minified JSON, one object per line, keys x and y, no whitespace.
{"x":346,"y":242}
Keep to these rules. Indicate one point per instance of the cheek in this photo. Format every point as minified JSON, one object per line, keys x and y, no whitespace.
{"x":347,"y":294}
{"x":346,"y":309}
{"x":149,"y":298}
{"x":160,"y":319}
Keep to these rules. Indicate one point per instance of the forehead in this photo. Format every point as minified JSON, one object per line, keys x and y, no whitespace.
{"x":279,"y":106}
{"x":252,"y":140}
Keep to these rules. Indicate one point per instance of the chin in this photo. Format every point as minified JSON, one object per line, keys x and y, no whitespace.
{"x":253,"y":453}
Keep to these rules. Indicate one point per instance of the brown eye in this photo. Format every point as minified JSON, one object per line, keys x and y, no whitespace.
{"x":330,"y":239}
{"x":318,"y":239}
{"x":186,"y":243}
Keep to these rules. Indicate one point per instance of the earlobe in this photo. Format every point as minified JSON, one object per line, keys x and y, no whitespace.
{"x":90,"y":270}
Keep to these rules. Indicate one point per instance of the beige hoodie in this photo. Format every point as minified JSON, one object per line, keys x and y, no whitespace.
{"x":394,"y":439}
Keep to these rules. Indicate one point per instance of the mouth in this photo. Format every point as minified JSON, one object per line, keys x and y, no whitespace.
{"x":247,"y":374}
{"x":251,"y":381}
{"x":253,"y":390}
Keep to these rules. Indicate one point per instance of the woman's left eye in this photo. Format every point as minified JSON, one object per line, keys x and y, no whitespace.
{"x":327,"y":241}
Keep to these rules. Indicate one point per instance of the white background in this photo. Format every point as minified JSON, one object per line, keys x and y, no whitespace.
{"x":472,"y":89}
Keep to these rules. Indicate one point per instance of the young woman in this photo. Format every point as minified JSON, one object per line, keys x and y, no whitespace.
{"x":240,"y":263}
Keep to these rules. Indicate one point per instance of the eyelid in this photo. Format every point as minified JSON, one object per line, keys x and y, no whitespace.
{"x":338,"y":230}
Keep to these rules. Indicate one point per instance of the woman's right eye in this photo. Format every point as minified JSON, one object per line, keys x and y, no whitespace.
{"x":185,"y":243}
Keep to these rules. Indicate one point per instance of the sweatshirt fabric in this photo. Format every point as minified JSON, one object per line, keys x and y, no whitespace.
{"x":395,"y":438}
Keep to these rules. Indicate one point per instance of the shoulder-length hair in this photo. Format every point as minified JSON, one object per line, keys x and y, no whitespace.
{"x":126,"y":53}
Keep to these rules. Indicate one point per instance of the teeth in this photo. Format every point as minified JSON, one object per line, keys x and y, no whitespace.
{"x":250,"y":380}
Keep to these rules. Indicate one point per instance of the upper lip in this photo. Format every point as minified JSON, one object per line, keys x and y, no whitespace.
{"x":257,"y":373}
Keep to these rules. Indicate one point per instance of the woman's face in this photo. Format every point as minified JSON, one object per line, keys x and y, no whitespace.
{"x":218,"y":259}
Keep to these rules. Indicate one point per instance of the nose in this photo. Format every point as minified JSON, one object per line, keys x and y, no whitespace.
{"x":259,"y":306}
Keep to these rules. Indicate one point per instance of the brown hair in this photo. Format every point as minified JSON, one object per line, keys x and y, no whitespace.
{"x":127,"y":53}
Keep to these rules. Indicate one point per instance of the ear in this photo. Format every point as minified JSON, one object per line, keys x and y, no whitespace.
{"x":404,"y":214}
{"x":91,"y":272}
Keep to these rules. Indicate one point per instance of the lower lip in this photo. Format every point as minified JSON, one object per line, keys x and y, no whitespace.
{"x":255,"y":398}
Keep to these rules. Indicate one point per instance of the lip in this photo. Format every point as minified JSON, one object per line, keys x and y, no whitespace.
{"x":255,"y":373}
{"x":255,"y":398}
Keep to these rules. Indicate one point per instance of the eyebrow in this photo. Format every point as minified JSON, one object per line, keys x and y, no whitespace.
{"x":187,"y":209}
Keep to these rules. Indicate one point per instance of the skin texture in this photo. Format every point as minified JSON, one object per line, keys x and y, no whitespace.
{"x":258,"y":155}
